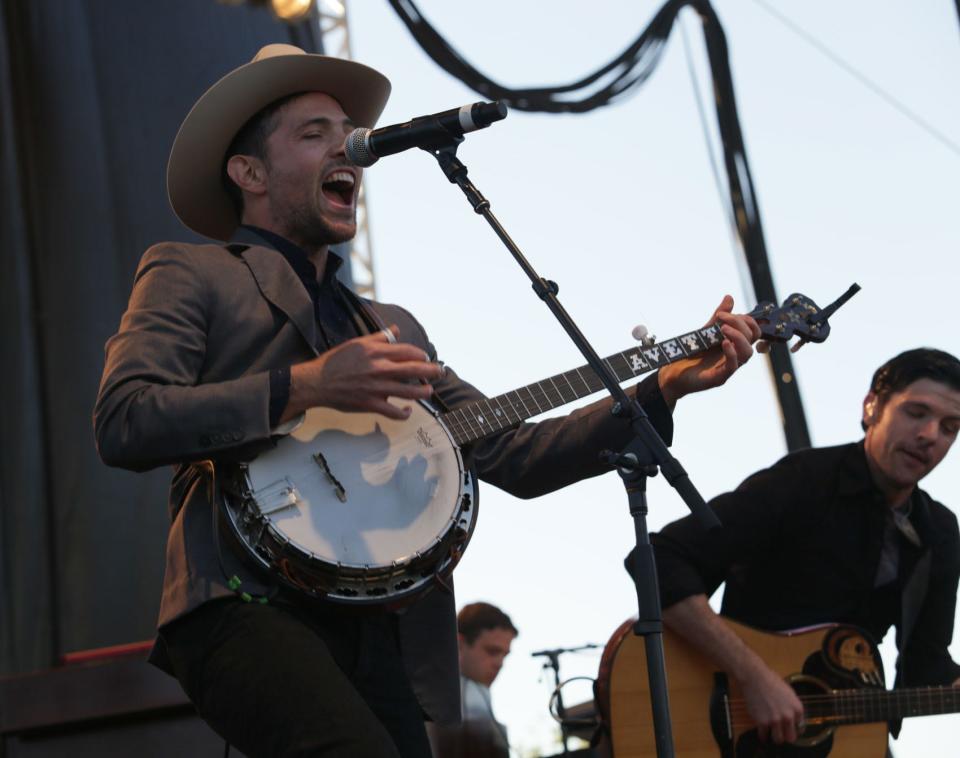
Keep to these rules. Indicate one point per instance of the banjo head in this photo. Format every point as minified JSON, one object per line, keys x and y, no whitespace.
{"x":366,"y":506}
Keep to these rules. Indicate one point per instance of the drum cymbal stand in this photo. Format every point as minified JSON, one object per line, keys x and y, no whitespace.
{"x":640,"y":458}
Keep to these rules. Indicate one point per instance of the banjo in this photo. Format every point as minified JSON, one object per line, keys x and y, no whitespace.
{"x":361,"y":509}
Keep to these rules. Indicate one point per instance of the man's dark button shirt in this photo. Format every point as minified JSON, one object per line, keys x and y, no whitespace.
{"x":801,"y":544}
{"x":335,"y":323}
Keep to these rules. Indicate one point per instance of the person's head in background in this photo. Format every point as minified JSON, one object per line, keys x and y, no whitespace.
{"x":484,"y":634}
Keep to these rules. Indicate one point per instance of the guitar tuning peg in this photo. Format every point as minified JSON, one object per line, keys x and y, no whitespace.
{"x":797,"y":345}
{"x":642,"y":335}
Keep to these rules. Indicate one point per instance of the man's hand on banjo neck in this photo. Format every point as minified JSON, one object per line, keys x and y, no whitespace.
{"x":714,"y":367}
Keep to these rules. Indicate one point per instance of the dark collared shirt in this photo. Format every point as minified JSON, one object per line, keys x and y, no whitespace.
{"x":336,"y":321}
{"x":801,"y":544}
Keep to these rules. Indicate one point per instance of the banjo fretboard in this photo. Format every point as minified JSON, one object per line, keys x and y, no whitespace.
{"x":477,"y":420}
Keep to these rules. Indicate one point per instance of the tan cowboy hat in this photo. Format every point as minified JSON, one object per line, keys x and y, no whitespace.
{"x":196,"y":160}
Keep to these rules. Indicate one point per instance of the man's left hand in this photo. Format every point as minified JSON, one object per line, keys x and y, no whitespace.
{"x":714,"y":367}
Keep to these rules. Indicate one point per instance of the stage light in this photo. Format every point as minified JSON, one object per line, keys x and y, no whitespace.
{"x":292,"y":10}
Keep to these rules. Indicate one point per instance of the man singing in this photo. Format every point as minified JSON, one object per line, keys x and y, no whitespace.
{"x":223,"y":343}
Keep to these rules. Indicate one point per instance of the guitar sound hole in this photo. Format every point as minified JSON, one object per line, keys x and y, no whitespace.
{"x":806,"y":688}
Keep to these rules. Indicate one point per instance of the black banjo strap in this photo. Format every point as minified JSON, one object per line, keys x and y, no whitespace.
{"x":364,"y":317}
{"x":368,"y":321}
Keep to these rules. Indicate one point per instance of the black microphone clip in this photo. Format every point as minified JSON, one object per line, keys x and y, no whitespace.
{"x":364,"y":147}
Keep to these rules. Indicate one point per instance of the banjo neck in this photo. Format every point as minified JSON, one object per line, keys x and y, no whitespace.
{"x":798,"y":316}
{"x":477,"y":420}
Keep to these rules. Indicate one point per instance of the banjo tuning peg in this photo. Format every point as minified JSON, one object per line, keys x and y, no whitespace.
{"x":642,"y":335}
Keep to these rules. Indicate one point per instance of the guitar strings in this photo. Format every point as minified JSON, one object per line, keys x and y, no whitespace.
{"x":468,"y":429}
{"x":917,"y":693}
{"x":858,"y":704}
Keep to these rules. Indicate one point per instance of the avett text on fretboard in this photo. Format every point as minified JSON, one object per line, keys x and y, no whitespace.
{"x":477,"y":420}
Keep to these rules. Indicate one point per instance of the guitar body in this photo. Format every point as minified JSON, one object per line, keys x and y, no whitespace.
{"x":823,"y":653}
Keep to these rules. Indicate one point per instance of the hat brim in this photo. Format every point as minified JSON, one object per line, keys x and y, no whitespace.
{"x":194,"y":183}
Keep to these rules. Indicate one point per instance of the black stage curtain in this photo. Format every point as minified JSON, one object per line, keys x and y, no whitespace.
{"x":91,"y":95}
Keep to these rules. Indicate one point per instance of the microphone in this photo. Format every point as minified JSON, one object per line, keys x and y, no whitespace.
{"x":364,"y":147}
{"x":559,"y":650}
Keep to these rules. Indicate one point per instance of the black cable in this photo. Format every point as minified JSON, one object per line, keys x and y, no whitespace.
{"x":626,"y":72}
{"x":861,"y":77}
{"x":707,"y":137}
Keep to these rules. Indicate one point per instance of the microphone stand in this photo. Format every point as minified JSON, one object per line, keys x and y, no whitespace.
{"x":639,"y":459}
{"x":553,"y":663}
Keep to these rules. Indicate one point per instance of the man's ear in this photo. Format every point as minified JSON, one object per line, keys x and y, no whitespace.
{"x":869,"y":409}
{"x":248,"y":173}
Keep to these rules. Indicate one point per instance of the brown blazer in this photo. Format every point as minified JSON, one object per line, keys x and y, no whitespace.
{"x":186,"y":379}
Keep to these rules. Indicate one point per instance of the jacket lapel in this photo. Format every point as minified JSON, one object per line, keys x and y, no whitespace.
{"x":279,"y":284}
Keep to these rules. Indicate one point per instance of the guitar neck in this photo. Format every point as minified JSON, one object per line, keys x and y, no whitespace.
{"x":477,"y":420}
{"x":864,"y":705}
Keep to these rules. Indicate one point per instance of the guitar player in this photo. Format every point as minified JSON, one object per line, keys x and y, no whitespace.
{"x":223,"y":343}
{"x":840,"y":534}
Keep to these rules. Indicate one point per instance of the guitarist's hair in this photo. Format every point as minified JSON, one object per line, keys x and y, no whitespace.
{"x":920,"y":363}
{"x":478,"y":617}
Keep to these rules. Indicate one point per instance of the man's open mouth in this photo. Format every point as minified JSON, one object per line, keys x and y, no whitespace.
{"x":339,"y":187}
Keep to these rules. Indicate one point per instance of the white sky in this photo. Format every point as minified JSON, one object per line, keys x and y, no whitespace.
{"x":620,"y":208}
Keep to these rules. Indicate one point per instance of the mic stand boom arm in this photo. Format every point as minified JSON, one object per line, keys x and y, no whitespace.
{"x":640,"y":459}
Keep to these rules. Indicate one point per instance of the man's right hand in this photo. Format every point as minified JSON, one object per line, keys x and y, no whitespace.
{"x":360,"y":374}
{"x":772,"y":704}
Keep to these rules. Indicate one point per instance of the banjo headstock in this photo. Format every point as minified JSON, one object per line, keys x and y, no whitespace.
{"x":798,"y":316}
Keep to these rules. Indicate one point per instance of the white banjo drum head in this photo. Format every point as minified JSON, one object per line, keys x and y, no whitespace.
{"x":359,"y":489}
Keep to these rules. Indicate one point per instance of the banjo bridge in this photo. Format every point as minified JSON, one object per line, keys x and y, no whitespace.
{"x":338,"y":488}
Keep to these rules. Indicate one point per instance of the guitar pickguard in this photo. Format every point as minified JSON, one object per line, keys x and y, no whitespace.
{"x":852,"y":659}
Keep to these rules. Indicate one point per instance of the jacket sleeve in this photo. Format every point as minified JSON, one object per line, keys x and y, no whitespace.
{"x":151,"y":408}
{"x":754,"y":519}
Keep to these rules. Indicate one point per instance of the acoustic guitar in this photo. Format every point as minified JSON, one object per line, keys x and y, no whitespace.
{"x":836,"y":671}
